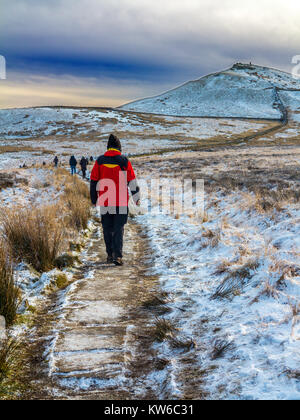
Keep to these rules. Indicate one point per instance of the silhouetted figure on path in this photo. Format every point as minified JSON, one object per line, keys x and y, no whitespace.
{"x":83,"y":164}
{"x":73,"y":164}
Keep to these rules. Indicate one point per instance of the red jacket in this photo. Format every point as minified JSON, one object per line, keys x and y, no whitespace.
{"x":110,"y":177}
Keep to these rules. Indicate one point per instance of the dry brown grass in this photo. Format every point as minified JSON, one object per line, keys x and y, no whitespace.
{"x":281,"y":271}
{"x":34,"y":236}
{"x":182,"y":344}
{"x":37,"y":236}
{"x":75,"y":186}
{"x":7,"y":355}
{"x":223,"y":268}
{"x":13,"y":383}
{"x":220,"y":347}
{"x":18,"y":149}
{"x":6,"y":181}
{"x":213,"y":238}
{"x":9,"y":292}
{"x":236,"y":279}
{"x":77,"y":200}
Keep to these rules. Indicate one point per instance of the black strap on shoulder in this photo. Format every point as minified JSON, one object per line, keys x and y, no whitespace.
{"x":119,"y":160}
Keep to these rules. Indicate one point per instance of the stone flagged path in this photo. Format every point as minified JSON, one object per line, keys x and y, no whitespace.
{"x":102,"y":348}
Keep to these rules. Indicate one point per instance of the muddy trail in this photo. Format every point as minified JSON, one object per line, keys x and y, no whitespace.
{"x":93,"y":340}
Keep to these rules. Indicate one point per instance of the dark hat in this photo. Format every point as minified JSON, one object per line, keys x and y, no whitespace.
{"x":114,"y":143}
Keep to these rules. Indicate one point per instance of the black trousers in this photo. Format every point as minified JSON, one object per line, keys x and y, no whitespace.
{"x":113,"y":231}
{"x":83,"y":172}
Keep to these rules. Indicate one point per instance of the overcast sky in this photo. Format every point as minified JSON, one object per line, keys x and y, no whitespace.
{"x":107,"y":52}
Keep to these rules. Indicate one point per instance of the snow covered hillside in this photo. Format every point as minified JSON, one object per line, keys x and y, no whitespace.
{"x":231,"y":281}
{"x":33,"y":135}
{"x":207,"y":305}
{"x":243,"y":91}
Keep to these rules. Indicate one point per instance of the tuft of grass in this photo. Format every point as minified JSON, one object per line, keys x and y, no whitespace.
{"x":267,"y":200}
{"x":220,"y":347}
{"x":292,"y":374}
{"x":62,"y":281}
{"x":212,"y":238}
{"x":13,"y":384}
{"x":65,"y":261}
{"x":236,"y":279}
{"x":79,"y":212}
{"x":76,"y":185}
{"x":161,"y":364}
{"x":6,"y":180}
{"x":77,"y":200}
{"x":158,"y":303}
{"x":163,"y":329}
{"x":75,"y":247}
{"x":9,"y":292}
{"x":186,"y":345}
{"x":223,"y":268}
{"x":157,"y":300}
{"x":7,"y":356}
{"x":34,"y":236}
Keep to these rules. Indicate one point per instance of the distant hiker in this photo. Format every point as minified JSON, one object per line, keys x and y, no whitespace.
{"x":83,"y":164}
{"x":55,"y":161}
{"x":110,"y":177}
{"x":91,"y":159}
{"x":73,"y":164}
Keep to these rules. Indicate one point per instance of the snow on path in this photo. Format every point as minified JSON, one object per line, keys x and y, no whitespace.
{"x":100,"y":347}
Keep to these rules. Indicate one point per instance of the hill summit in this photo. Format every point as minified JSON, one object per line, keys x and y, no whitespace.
{"x":244,"y":90}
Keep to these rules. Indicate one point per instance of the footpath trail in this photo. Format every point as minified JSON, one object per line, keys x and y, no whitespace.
{"x":99,"y":344}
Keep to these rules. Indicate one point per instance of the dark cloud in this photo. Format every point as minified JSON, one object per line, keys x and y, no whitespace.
{"x":156,"y":42}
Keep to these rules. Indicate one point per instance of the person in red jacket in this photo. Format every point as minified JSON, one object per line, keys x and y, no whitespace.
{"x":111,"y":176}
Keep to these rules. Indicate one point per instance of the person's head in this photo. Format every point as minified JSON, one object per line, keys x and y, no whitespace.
{"x":114,"y":143}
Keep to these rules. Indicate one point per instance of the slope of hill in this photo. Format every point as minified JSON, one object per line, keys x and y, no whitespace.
{"x":245,"y":91}
{"x":33,"y":135}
